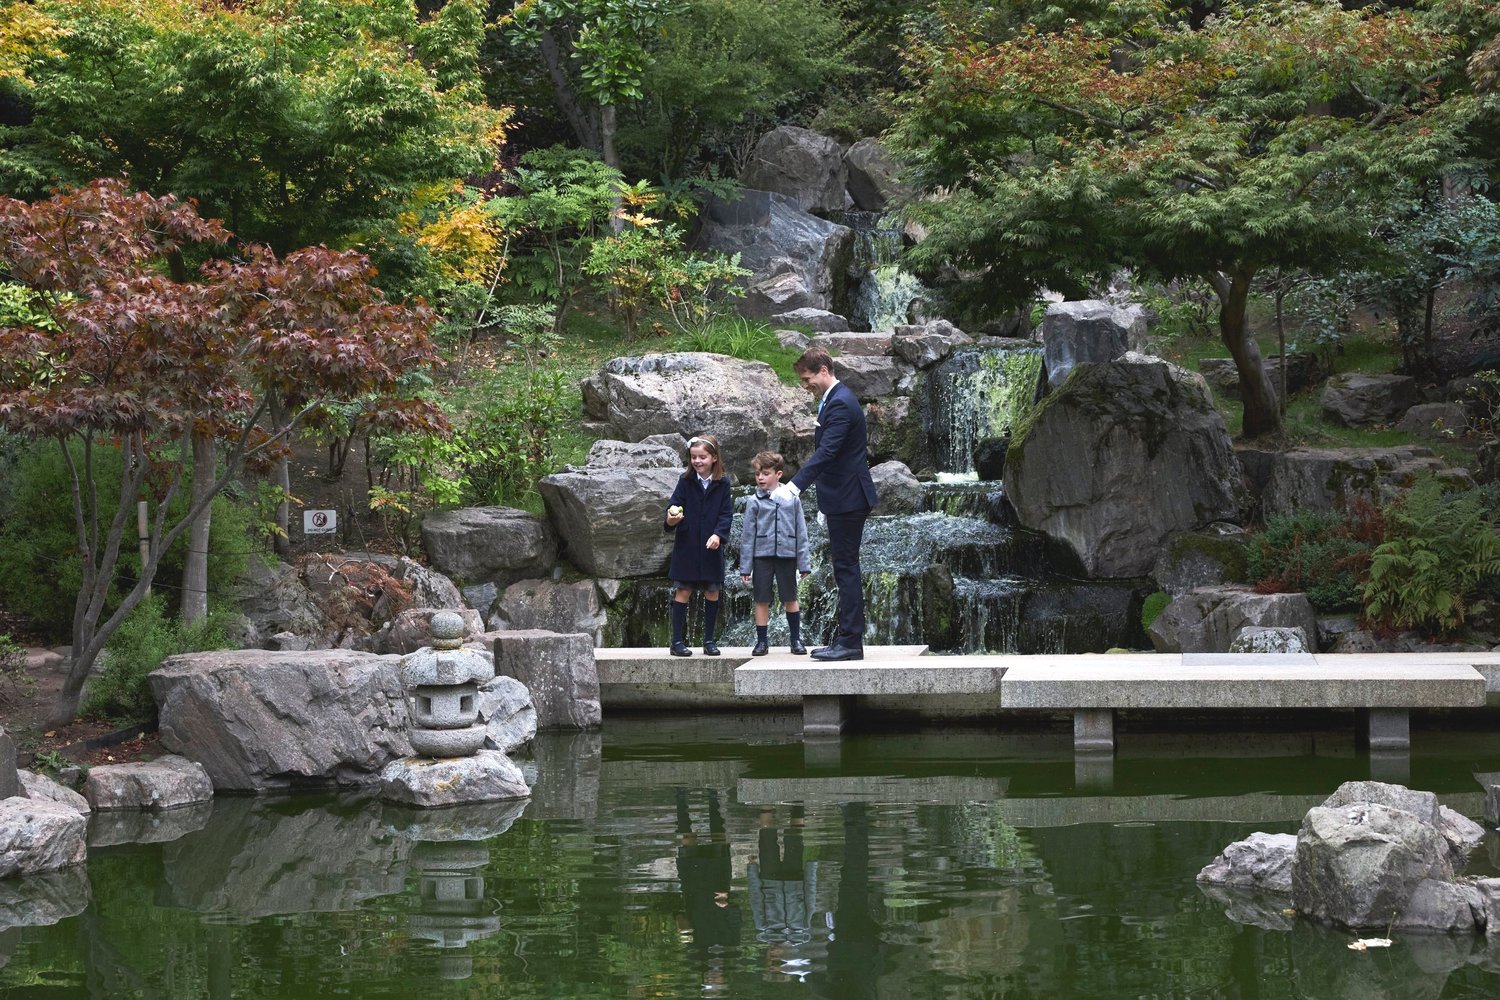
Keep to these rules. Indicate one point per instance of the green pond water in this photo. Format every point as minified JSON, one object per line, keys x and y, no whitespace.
{"x":723,"y":857}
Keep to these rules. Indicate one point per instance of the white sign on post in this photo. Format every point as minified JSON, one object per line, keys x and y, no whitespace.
{"x":319,"y":522}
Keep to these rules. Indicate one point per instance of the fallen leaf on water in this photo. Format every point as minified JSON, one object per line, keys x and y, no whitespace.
{"x":1364,"y":944}
{"x":50,"y":732}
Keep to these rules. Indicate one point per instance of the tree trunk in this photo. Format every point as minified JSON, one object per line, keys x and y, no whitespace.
{"x":555,"y":58}
{"x":607,"y":129}
{"x":195,"y":567}
{"x":281,"y":479}
{"x":1261,"y":413}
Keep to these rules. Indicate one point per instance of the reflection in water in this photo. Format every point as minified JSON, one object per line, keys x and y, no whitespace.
{"x":783,"y":885}
{"x":711,"y":922}
{"x":935,"y":865}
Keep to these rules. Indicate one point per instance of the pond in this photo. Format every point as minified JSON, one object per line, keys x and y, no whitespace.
{"x":722,"y":856}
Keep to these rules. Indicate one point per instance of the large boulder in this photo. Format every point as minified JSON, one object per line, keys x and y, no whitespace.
{"x":552,"y":605}
{"x":1358,"y":864}
{"x":1303,"y":370}
{"x":558,"y":670}
{"x":39,"y":836}
{"x":486,"y":776}
{"x":611,"y":520}
{"x":275,"y":600}
{"x":742,"y":403}
{"x":498,"y":544}
{"x":41,"y":788}
{"x":1092,"y":330}
{"x":1359,"y":400}
{"x":795,"y":259}
{"x":1207,"y":620}
{"x":900,"y":492}
{"x":874,"y":176}
{"x":924,"y":345}
{"x":1332,"y":479}
{"x":1118,"y":459}
{"x":1262,"y":862}
{"x":817,"y":320}
{"x":164,"y":783}
{"x":852,"y":344}
{"x":870,"y":378}
{"x":1439,"y":421}
{"x":803,"y":165}
{"x":275,"y":721}
{"x":609,"y":454}
{"x":507,"y":711}
{"x":1210,"y":557}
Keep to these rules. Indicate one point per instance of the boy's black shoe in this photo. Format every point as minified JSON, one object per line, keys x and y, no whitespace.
{"x":761,"y":648}
{"x":710,"y":648}
{"x":798,"y":649}
{"x":679,"y":648}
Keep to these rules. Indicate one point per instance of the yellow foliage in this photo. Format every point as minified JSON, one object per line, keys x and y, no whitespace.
{"x":25,"y":34}
{"x":466,"y":241}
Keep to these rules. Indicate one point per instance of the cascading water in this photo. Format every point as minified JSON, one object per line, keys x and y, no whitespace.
{"x":882,"y":294}
{"x":975,"y":398}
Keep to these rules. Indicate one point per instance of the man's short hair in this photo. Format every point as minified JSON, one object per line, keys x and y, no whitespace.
{"x":813,"y":360}
{"x":768,"y":460}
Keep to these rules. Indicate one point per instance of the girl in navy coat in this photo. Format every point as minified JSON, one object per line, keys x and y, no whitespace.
{"x":700,"y":513}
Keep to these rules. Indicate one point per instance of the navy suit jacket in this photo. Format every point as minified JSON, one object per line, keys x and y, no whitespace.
{"x":840,"y":463}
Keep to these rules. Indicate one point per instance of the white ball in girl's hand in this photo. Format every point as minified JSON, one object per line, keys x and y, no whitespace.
{"x":674,"y":511}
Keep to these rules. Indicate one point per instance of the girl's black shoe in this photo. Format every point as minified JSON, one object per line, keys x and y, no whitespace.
{"x":710,"y":648}
{"x":679,"y":648}
{"x":798,"y":649}
{"x":761,"y":648}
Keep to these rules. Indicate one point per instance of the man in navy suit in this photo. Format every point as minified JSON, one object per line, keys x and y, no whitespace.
{"x":840,"y":468}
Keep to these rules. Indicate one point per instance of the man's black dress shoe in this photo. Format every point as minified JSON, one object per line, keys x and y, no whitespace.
{"x":761,"y":648}
{"x":680,"y":649}
{"x":798,"y":649}
{"x":838,"y":653}
{"x":710,"y":648}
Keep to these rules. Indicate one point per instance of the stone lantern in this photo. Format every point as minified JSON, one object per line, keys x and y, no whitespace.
{"x":442,"y":691}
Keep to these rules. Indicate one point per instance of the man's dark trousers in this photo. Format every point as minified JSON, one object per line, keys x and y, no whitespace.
{"x":845,"y":533}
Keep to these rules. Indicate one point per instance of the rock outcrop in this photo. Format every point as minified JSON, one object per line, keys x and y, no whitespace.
{"x":276,"y":721}
{"x":1118,"y":459}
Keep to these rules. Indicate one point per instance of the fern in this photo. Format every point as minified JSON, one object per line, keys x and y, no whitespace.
{"x":1441,"y":550}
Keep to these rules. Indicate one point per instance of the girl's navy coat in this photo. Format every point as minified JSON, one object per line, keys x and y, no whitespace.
{"x":704,"y":512}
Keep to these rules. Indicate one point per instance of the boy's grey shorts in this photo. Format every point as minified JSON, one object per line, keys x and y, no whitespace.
{"x":766,"y":568}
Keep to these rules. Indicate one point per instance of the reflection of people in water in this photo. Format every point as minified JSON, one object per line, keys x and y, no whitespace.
{"x":783,"y":894}
{"x":705,"y":873}
{"x":855,"y":951}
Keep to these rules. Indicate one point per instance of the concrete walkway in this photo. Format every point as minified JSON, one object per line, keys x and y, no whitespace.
{"x":1381,"y":687}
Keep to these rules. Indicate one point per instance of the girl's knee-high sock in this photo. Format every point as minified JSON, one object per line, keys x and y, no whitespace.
{"x":679,"y":621}
{"x":710,"y":618}
{"x":762,"y":632}
{"x":794,"y":623}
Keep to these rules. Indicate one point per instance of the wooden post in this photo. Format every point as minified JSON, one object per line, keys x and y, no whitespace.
{"x":143,"y":531}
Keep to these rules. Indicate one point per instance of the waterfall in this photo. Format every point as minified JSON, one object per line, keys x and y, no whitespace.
{"x":882,"y":294}
{"x":975,"y":398}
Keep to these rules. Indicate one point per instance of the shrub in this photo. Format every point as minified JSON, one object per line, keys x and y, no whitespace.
{"x":15,"y":682}
{"x":40,"y":573}
{"x":1322,"y":554}
{"x":1441,"y":551}
{"x":147,"y":636}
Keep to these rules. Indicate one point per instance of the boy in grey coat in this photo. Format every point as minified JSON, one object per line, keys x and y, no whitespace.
{"x":774,"y":548}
